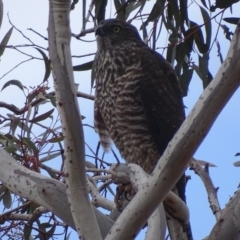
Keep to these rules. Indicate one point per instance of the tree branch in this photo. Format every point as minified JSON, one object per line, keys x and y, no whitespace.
{"x":228,"y":226}
{"x":59,"y":35}
{"x":42,"y":190}
{"x":211,"y":190}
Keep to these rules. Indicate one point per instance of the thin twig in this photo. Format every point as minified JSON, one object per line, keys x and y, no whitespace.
{"x":45,"y":38}
{"x":20,"y":111}
{"x":86,"y":55}
{"x":16,"y":67}
{"x":83,"y":15}
{"x":18,"y":30}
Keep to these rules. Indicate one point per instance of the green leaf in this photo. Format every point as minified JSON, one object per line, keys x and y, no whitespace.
{"x":56,"y":139}
{"x":11,"y":148}
{"x":131,"y":6}
{"x":208,"y":26}
{"x":83,"y":67}
{"x":120,"y":9}
{"x":42,"y":116}
{"x":44,"y":137}
{"x":31,"y":146}
{"x":46,"y":225}
{"x":203,"y":68}
{"x":7,"y":141}
{"x":198,"y":37}
{"x":100,"y":9}
{"x":27,"y":232}
{"x":171,"y":50}
{"x":144,"y":31}
{"x":7,"y":199}
{"x":32,"y":96}
{"x":1,"y":12}
{"x":156,"y":11}
{"x":232,"y":20}
{"x":185,"y":80}
{"x":47,"y":64}
{"x":204,"y":3}
{"x":183,"y":12}
{"x":5,"y":40}
{"x":175,"y":11}
{"x":24,"y":126}
{"x":14,"y":124}
{"x":3,"y":189}
{"x":74,"y":2}
{"x":50,"y":157}
{"x":13,"y":82}
{"x":51,"y":231}
{"x":225,"y":3}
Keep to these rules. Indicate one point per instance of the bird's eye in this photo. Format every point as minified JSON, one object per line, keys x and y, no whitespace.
{"x":116,"y":29}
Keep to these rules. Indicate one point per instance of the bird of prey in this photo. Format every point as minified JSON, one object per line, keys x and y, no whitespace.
{"x":138,"y":99}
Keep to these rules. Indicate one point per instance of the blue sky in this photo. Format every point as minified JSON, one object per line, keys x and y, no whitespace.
{"x":220,"y":145}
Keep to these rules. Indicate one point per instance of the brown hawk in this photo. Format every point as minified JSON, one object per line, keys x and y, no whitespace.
{"x":138,"y":99}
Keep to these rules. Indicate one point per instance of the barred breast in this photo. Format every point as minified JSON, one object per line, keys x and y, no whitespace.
{"x":119,"y":104}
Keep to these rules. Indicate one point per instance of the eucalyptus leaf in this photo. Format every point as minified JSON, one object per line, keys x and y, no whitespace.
{"x":1,"y":12}
{"x":156,"y":11}
{"x":13,"y":82}
{"x":42,"y":116}
{"x":7,"y":199}
{"x":83,"y":67}
{"x":47,"y":64}
{"x":185,"y":79}
{"x":232,"y":20}
{"x":5,"y":40}
{"x":31,"y":146}
{"x":50,"y":157}
{"x":208,"y":26}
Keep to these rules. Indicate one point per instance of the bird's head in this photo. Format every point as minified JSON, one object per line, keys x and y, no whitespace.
{"x":113,"y":32}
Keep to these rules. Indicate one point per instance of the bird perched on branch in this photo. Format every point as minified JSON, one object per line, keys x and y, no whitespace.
{"x":138,"y":99}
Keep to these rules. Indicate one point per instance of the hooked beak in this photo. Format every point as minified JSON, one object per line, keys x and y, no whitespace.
{"x":99,"y":31}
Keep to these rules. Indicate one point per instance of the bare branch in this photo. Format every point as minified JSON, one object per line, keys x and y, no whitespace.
{"x":98,"y":200}
{"x":19,"y":111}
{"x":42,"y":190}
{"x":203,"y":173}
{"x":85,"y":95}
{"x":157,"y":221}
{"x":15,"y":67}
{"x":228,"y":225}
{"x":23,"y":35}
{"x":30,"y":29}
{"x":59,"y":35}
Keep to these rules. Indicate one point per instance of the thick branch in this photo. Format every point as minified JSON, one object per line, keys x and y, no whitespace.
{"x":42,"y":190}
{"x":182,"y":147}
{"x":228,"y":226}
{"x":59,"y":35}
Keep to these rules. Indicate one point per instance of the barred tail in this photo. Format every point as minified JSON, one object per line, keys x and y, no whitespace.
{"x":101,"y":129}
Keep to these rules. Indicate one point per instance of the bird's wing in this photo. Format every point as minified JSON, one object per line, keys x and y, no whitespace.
{"x":164,"y":112}
{"x":161,"y":98}
{"x":101,"y":129}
